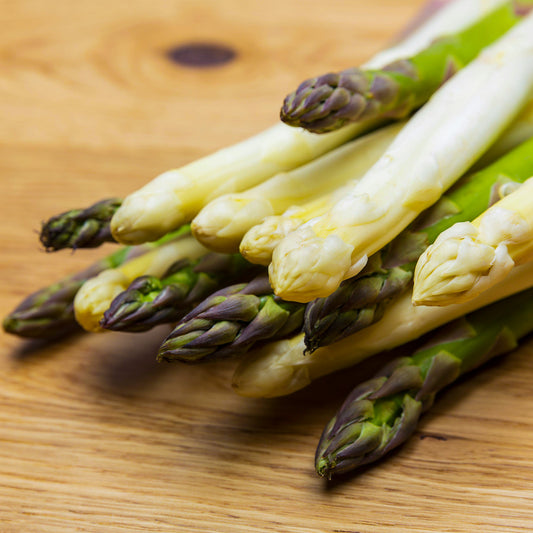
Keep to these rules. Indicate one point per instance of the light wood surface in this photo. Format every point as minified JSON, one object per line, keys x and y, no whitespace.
{"x":95,"y":436}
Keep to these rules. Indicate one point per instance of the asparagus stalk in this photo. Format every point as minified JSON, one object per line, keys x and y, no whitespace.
{"x":230,"y":321}
{"x":431,"y":152}
{"x":222,"y":223}
{"x":382,"y":413}
{"x":470,"y":257}
{"x":176,"y":196}
{"x":96,"y":294}
{"x":258,"y":243}
{"x":150,"y":300}
{"x":328,"y":102}
{"x":80,"y":228}
{"x":360,"y":301}
{"x":281,"y":367}
{"x":49,"y":312}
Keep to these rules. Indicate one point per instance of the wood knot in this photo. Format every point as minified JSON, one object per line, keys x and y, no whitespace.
{"x":201,"y":55}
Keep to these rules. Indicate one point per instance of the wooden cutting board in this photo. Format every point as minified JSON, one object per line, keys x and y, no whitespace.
{"x":95,"y":436}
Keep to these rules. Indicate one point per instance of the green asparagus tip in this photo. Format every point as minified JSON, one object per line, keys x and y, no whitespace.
{"x":80,"y":228}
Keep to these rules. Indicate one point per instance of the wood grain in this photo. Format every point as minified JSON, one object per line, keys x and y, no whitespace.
{"x":95,"y":435}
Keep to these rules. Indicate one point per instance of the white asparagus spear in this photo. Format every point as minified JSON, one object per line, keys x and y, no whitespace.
{"x":471,"y":257}
{"x":222,"y":223}
{"x":436,"y":146}
{"x":281,"y":368}
{"x":259,"y":242}
{"x":176,"y":196}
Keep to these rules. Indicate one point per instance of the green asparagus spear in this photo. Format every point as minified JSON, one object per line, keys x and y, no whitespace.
{"x":150,"y":301}
{"x":230,"y":321}
{"x":328,"y":102}
{"x":80,"y":228}
{"x":360,"y":301}
{"x":382,"y":413}
{"x":49,"y":312}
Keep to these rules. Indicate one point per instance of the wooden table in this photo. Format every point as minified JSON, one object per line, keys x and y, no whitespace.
{"x":98,"y":437}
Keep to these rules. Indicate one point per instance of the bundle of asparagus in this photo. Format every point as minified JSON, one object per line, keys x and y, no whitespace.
{"x":222,"y":223}
{"x":412,"y":174}
{"x":344,"y":220}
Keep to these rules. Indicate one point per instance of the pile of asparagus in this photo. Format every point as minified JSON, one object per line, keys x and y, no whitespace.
{"x":392,"y":200}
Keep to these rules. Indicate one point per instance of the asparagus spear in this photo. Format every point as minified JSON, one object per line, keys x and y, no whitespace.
{"x":96,"y":295}
{"x":80,"y":228}
{"x":360,"y":301}
{"x":259,"y":241}
{"x":150,"y":300}
{"x":328,"y":102}
{"x":470,"y":257}
{"x":176,"y":196}
{"x":230,"y":321}
{"x":431,"y":152}
{"x":281,"y":367}
{"x":222,"y":223}
{"x":49,"y":312}
{"x":382,"y":413}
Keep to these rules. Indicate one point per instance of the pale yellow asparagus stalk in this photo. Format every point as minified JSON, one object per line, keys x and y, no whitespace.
{"x":471,"y":257}
{"x":222,"y":223}
{"x":259,"y":242}
{"x":431,"y":152}
{"x":176,"y":196}
{"x":96,"y":294}
{"x":281,"y":368}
